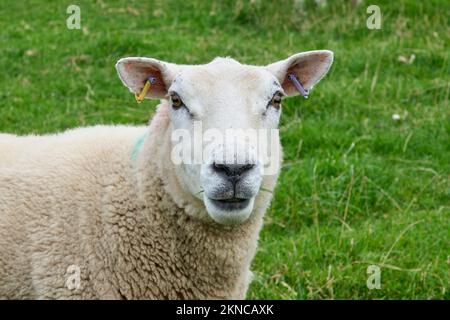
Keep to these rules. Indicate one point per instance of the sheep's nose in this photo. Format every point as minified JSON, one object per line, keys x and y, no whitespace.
{"x":232,"y":170}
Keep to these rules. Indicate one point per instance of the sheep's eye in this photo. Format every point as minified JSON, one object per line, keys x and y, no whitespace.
{"x":176,"y":101}
{"x":276,"y":100}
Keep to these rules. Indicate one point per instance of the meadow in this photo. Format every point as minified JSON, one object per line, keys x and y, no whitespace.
{"x":365,"y":179}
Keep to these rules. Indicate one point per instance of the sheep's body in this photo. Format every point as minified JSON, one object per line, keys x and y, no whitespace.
{"x":92,"y":199}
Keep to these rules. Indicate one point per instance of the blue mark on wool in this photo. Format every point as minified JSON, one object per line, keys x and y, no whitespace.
{"x":138,"y":145}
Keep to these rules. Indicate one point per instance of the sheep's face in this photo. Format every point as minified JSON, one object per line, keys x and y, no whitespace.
{"x":222,"y":111}
{"x":224,"y":120}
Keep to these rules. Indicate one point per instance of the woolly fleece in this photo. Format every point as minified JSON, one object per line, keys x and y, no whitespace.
{"x":81,"y":199}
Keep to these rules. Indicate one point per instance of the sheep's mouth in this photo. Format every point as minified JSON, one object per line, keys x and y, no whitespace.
{"x":231,"y":204}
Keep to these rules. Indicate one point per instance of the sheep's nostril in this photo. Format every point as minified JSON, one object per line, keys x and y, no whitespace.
{"x":232,"y":170}
{"x":247,"y":167}
{"x":221,"y":168}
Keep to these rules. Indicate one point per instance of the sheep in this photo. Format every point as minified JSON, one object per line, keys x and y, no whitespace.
{"x":105,"y":212}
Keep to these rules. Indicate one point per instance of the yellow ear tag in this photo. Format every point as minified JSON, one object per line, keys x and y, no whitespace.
{"x":140,"y":97}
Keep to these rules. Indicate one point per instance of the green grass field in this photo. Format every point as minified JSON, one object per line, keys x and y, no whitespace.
{"x":357,"y":188}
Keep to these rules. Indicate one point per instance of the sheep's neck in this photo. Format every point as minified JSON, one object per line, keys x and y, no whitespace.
{"x":195,"y":258}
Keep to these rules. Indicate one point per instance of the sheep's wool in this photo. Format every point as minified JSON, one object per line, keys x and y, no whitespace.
{"x":90,"y":214}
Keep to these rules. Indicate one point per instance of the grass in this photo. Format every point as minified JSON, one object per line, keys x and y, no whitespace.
{"x":357,"y":188}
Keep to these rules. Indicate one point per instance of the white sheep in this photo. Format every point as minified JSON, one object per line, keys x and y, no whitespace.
{"x":107,"y":212}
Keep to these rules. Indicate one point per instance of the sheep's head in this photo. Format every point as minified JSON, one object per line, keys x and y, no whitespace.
{"x":224,"y":120}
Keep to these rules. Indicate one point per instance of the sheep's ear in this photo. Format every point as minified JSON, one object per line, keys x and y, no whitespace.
{"x":309,"y":67}
{"x":135,"y":71}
